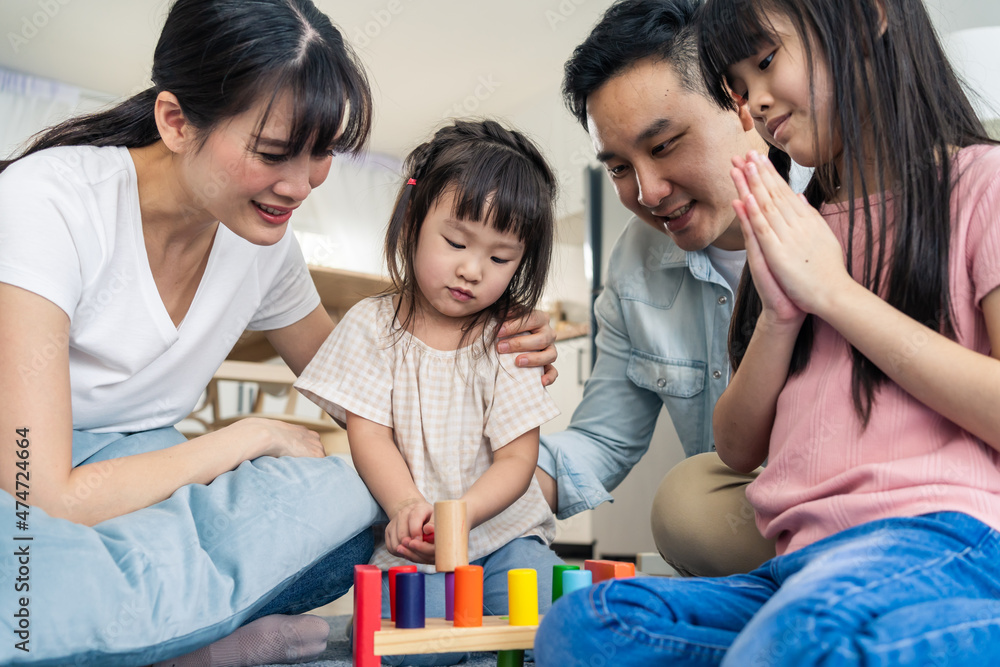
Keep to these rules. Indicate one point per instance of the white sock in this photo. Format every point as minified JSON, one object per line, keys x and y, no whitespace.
{"x":274,"y":639}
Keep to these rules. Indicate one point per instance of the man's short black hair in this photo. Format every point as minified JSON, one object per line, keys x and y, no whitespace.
{"x":630,"y":31}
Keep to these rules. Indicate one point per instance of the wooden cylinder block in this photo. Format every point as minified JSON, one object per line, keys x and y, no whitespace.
{"x":451,"y":535}
{"x":410,"y":600}
{"x":557,"y":579}
{"x":468,"y":596}
{"x":522,"y":596}
{"x":367,"y":614}
{"x":393,"y":571}
{"x":575,"y":580}
{"x":449,"y":596}
{"x":510,"y":659}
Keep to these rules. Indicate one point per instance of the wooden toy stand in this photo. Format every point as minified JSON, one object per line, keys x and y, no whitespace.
{"x":374,"y":636}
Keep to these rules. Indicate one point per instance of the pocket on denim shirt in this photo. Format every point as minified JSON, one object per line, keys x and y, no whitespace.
{"x":675,"y":377}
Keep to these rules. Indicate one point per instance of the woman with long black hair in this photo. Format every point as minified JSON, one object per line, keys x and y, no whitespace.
{"x":138,"y":243}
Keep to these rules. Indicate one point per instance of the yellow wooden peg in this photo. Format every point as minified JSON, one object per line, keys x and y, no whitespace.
{"x":522,"y":596}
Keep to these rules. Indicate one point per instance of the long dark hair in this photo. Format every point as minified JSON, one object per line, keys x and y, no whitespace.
{"x":497,"y":176}
{"x":219,"y":58}
{"x":901,"y":112}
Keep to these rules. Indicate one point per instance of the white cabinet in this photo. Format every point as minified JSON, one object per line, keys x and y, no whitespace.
{"x":573,"y":365}
{"x":620,"y":528}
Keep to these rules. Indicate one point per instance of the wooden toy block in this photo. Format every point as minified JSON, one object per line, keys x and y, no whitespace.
{"x":440,"y":636}
{"x":410,"y":600}
{"x":510,"y":659}
{"x":468,"y":596}
{"x":367,"y":614}
{"x":603,"y":570}
{"x":393,"y":571}
{"x":374,"y":637}
{"x":575,"y":580}
{"x":449,"y":596}
{"x":451,"y":535}
{"x":557,"y":579}
{"x":522,"y":596}
{"x":411,"y":633}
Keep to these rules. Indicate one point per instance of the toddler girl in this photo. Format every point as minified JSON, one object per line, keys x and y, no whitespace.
{"x":432,"y":412}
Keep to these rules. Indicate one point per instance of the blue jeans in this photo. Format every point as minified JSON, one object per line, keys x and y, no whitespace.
{"x":524,"y":552}
{"x":274,"y":535}
{"x":324,"y":582}
{"x":904,"y":591}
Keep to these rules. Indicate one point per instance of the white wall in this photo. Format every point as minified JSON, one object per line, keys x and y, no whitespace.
{"x":950,"y":15}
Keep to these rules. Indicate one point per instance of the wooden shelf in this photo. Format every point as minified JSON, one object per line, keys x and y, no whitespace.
{"x":338,"y":291}
{"x":568,"y":330}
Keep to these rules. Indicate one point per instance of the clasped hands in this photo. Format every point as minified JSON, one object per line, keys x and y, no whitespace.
{"x":796,"y":260}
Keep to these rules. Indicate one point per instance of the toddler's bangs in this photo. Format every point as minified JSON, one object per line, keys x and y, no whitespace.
{"x":504,"y":191}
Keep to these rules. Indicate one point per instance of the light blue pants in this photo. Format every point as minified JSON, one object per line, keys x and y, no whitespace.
{"x":274,"y":535}
{"x":908,"y":591}
{"x":525,"y":552}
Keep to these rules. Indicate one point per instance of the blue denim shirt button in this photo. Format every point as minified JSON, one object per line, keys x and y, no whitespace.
{"x":723,"y":299}
{"x":661,"y":383}
{"x":717,"y":374}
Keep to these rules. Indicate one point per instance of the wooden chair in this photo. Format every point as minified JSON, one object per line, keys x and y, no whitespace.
{"x":339,"y":290}
{"x":271,"y":379}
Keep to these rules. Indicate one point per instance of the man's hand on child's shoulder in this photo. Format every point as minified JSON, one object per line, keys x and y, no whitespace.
{"x":535,"y":337}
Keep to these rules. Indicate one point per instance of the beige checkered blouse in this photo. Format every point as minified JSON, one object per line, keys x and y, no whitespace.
{"x":449,"y":412}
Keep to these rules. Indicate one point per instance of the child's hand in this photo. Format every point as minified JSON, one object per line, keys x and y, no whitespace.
{"x":773,"y":299}
{"x":798,"y":246}
{"x":404,"y":536}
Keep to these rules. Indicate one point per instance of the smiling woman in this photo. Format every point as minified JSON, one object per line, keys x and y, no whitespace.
{"x":139,"y":243}
{"x":244,"y":174}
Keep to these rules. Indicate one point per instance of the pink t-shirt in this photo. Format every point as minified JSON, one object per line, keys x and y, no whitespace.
{"x":825,"y":473}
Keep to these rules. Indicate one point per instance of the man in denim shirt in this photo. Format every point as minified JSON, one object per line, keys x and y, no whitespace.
{"x":664,"y":313}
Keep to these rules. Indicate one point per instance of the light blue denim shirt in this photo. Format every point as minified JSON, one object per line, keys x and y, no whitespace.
{"x":663,"y":323}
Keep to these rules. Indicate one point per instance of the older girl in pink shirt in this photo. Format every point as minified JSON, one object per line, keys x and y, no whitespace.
{"x":866,"y":348}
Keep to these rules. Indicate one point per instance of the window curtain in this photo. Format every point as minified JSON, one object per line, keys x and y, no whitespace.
{"x":29,"y":104}
{"x":342,"y":224}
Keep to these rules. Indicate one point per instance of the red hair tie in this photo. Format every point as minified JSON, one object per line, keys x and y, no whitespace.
{"x":412,"y":181}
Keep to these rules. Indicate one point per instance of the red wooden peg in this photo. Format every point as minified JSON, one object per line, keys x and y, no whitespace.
{"x":367,"y":614}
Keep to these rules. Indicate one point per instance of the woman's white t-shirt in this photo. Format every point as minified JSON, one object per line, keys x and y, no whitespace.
{"x":70,"y":231}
